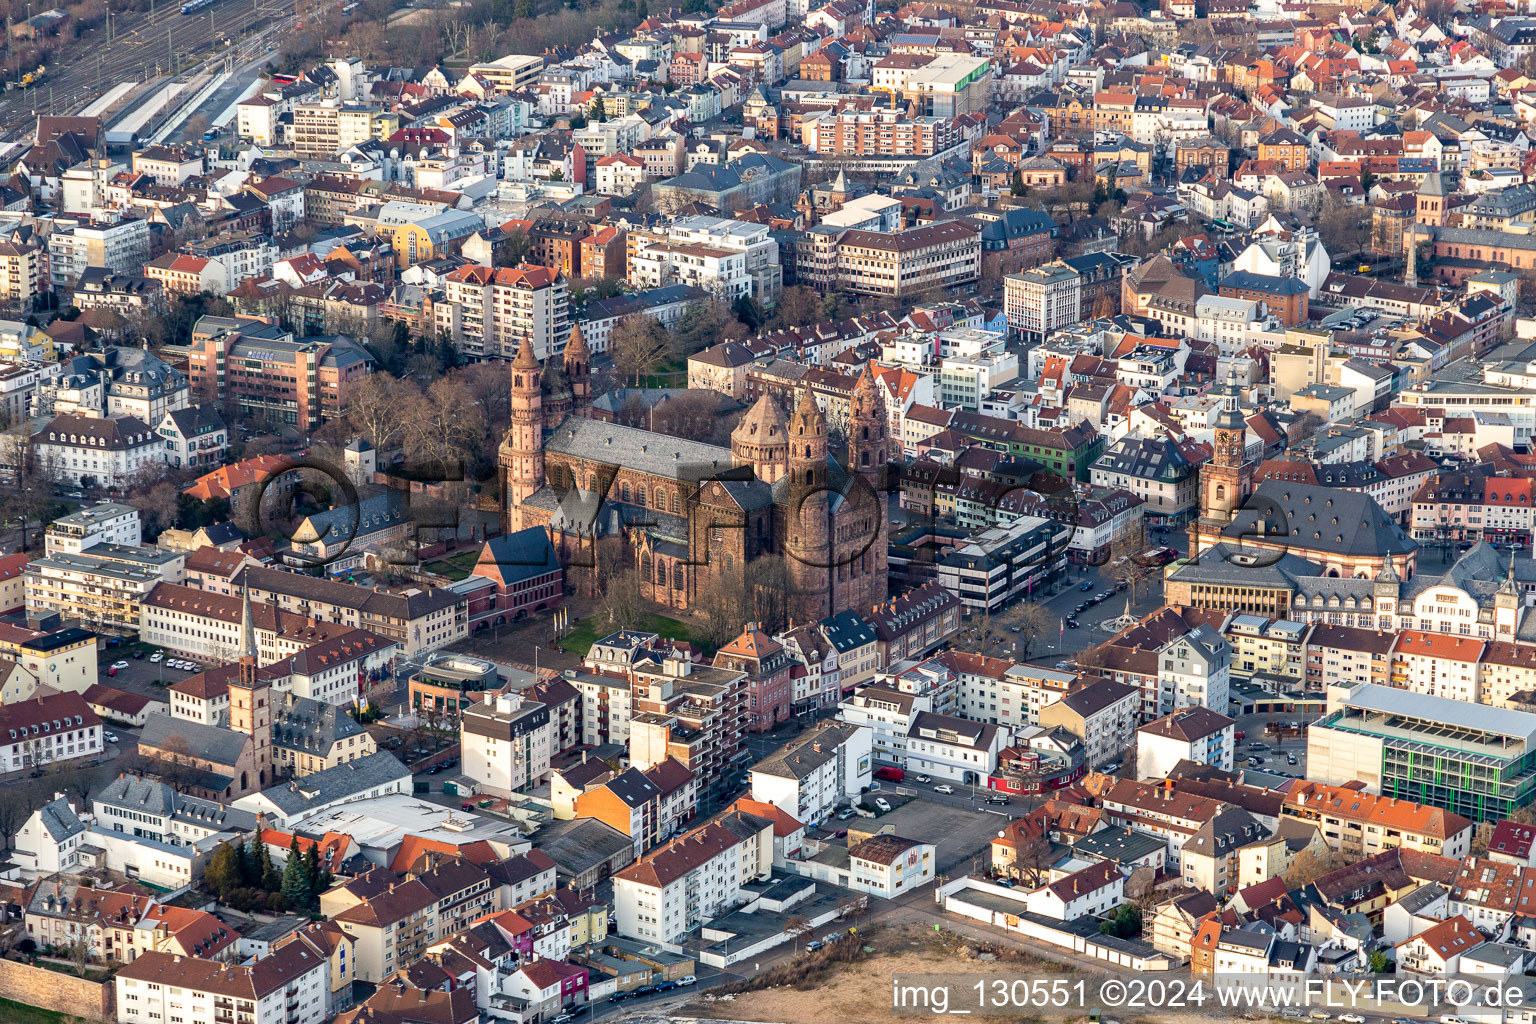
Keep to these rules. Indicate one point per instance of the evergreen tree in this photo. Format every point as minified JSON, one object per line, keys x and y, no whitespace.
{"x":312,"y":873}
{"x":270,"y":879}
{"x":295,"y":884}
{"x":250,"y":870}
{"x":1017,"y":187}
{"x":223,"y":872}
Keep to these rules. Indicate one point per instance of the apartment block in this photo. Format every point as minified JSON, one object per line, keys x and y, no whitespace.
{"x":490,"y":311}
{"x":272,"y":376}
{"x":694,"y":878}
{"x":507,"y":742}
{"x":291,"y":985}
{"x":73,"y":247}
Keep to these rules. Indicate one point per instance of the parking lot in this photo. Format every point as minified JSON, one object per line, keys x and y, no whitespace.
{"x":961,"y":833}
{"x":1275,"y":751}
{"x":140,"y":675}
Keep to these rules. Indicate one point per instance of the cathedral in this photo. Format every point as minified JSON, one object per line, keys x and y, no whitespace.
{"x":687,"y":515}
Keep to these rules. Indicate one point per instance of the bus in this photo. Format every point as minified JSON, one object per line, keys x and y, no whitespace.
{"x":1157,"y":556}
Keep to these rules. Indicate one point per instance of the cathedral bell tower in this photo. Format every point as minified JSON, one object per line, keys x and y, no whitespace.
{"x":521,"y":455}
{"x":807,"y":525}
{"x":578,"y":371}
{"x":869,"y":452}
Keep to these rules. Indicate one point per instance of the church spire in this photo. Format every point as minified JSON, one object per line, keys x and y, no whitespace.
{"x":247,"y":626}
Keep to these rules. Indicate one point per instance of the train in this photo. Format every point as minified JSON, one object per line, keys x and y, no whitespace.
{"x":193,"y":6}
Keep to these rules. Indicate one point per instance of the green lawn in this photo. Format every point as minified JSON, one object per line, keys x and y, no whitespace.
{"x":20,"y":1013}
{"x":590,"y":630}
{"x":457,"y":567}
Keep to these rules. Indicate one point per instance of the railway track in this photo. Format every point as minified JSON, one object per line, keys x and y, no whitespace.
{"x":143,"y":46}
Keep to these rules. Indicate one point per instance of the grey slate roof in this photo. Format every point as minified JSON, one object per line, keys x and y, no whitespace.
{"x":1155,"y":458}
{"x":309,"y":725}
{"x":633,"y":788}
{"x":216,"y":745}
{"x":338,"y":783}
{"x":149,"y":796}
{"x":636,"y":449}
{"x":60,"y":820}
{"x":1323,"y":519}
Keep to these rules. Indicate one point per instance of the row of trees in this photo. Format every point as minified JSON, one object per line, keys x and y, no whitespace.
{"x":243,"y":876}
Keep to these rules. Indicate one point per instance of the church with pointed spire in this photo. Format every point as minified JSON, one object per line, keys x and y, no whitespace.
{"x":686,"y":515}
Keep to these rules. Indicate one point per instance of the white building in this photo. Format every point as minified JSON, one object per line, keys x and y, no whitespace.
{"x":96,"y":524}
{"x":43,"y":730}
{"x":730,"y":258}
{"x":122,"y":248}
{"x":104,"y":588}
{"x":87,"y":451}
{"x":1195,"y":671}
{"x":693,"y":878}
{"x":49,"y":840}
{"x":506,"y":743}
{"x":290,"y":986}
{"x":954,"y":749}
{"x":1095,"y":890}
{"x":808,"y":778}
{"x":1227,"y":322}
{"x":1193,"y":734}
{"x":1042,"y":300}
{"x":887,"y":714}
{"x":889,"y":865}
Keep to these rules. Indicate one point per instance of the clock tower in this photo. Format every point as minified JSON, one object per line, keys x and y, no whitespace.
{"x":1227,"y":479}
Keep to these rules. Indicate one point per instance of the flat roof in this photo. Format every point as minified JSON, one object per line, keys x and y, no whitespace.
{"x":1444,"y":710}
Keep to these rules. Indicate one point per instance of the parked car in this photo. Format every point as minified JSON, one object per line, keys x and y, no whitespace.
{"x":687,"y":980}
{"x":1290,"y":758}
{"x":1082,"y":607}
{"x":111,"y":671}
{"x":923,"y":778}
{"x":1072,"y":623}
{"x":119,"y":664}
{"x":946,"y":789}
{"x":997,"y":798}
{"x":845,"y":815}
{"x":111,"y":737}
{"x":137,"y":655}
{"x":882,"y":803}
{"x":812,"y":946}
{"x":1325,"y":1015}
{"x":1111,"y":768}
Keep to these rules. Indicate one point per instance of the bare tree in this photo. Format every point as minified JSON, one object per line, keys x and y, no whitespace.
{"x":1309,"y":865}
{"x":1034,"y":622}
{"x":722,"y":606}
{"x":639,"y":346}
{"x":1125,"y":562}
{"x":621,"y":602}
{"x":378,"y":408}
